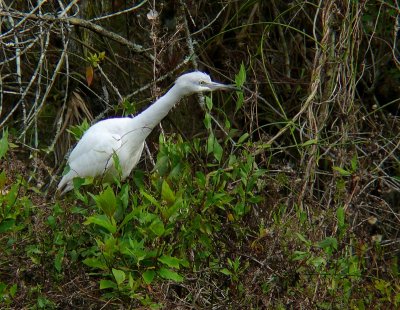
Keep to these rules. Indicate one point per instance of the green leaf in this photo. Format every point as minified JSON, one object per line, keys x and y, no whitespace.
{"x":317,"y":261}
{"x":201,"y":179}
{"x":117,"y":165}
{"x":150,"y":198}
{"x":94,"y":262}
{"x":170,"y":261}
{"x":131,"y":282}
{"x":103,"y":221}
{"x":51,"y":221}
{"x":44,"y":303}
{"x":78,"y":182}
{"x":239,"y":100}
{"x":166,"y":193}
{"x":328,"y":244}
{"x":148,"y":276}
{"x":243,"y":138}
{"x":119,"y":276}
{"x":58,"y":238}
{"x":106,"y":201}
{"x":354,"y":163}
{"x":184,"y":262}
{"x":12,"y":195}
{"x":168,"y":274}
{"x":137,"y":250}
{"x":240,"y":78}
{"x":127,"y":219}
{"x":210,"y":143}
{"x":123,"y":196}
{"x":214,"y":147}
{"x":218,"y":151}
{"x":209,"y":103}
{"x":3,"y":179}
{"x":342,"y":171}
{"x":102,"y":55}
{"x":13,"y":290}
{"x":58,"y":259}
{"x":3,"y":288}
{"x":303,"y":239}
{"x":4,"y":144}
{"x":226,"y":271}
{"x":207,"y":121}
{"x":300,"y":255}
{"x":310,"y":142}
{"x":173,"y":210}
{"x":157,"y":227}
{"x":104,"y":284}
{"x":78,"y":130}
{"x":6,"y":225}
{"x":340,"y":217}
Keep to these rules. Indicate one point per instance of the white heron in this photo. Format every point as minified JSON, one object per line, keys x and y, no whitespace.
{"x":125,"y":136}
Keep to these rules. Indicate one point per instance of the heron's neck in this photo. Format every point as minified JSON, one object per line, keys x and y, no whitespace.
{"x":153,"y":115}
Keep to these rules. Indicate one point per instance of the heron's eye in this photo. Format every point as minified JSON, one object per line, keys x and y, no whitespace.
{"x":202,"y":82}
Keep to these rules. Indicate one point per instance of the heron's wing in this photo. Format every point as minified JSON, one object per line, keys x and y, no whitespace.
{"x":92,"y":156}
{"x":98,"y":146}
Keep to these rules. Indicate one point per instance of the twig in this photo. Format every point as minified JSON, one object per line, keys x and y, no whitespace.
{"x":161,"y":78}
{"x":110,"y":83}
{"x":18,"y":69}
{"x":309,"y":100}
{"x":48,"y":89}
{"x":1,"y":95}
{"x":67,"y":8}
{"x":210,"y":23}
{"x":119,"y":13}
{"x":26,"y":16}
{"x":146,"y":147}
{"x":195,"y":64}
{"x":64,"y":106}
{"x":82,"y":23}
{"x":189,"y":42}
{"x":32,"y":80}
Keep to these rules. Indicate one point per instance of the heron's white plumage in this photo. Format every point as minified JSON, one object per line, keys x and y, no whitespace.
{"x":125,"y":136}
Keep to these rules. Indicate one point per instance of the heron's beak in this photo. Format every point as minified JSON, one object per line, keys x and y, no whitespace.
{"x":214,"y":86}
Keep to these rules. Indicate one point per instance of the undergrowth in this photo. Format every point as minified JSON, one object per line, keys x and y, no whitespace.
{"x":205,"y":230}
{"x":284,"y":195}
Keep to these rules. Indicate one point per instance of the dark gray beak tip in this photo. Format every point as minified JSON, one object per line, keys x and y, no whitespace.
{"x":231,"y":87}
{"x":234,"y":87}
{"x":216,"y":86}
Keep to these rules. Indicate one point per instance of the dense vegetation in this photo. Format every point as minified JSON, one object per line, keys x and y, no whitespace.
{"x":284,"y":195}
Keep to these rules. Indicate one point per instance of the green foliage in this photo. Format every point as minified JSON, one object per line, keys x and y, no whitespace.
{"x":389,"y":293}
{"x":142,"y":235}
{"x":4,"y":144}
{"x":349,"y":171}
{"x":337,"y":266}
{"x":240,"y":78}
{"x":78,"y":130}
{"x":234,"y":269}
{"x":128,"y":107}
{"x":32,"y":237}
{"x":12,"y":207}
{"x":44,"y":303}
{"x":7,"y":293}
{"x":95,"y":59}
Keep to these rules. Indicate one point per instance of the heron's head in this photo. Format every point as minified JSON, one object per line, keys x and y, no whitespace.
{"x":195,"y":82}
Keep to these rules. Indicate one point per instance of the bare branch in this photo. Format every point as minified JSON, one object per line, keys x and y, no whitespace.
{"x":81,"y":23}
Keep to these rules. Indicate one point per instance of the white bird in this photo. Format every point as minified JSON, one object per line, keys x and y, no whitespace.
{"x":125,"y":136}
